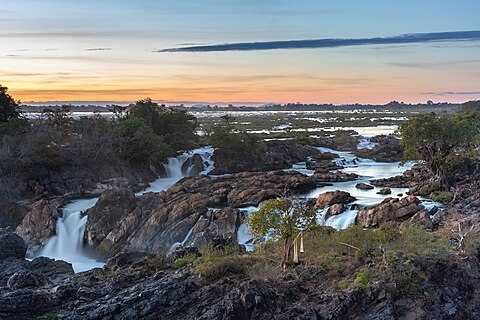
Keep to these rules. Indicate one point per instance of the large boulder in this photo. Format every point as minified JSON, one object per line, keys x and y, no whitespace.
{"x":334,"y":176}
{"x":270,"y":155}
{"x":193,"y":165}
{"x":216,"y":224}
{"x":40,"y":223}
{"x":12,"y":246}
{"x":333,"y":197}
{"x":112,"y":206}
{"x":364,"y":186}
{"x":387,"y":149}
{"x":390,"y":209}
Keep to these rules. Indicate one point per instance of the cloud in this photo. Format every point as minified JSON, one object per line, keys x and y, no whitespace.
{"x":452,"y":93}
{"x":333,"y":43}
{"x":98,"y":49}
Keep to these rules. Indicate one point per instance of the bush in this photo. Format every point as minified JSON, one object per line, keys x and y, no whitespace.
{"x":215,"y":263}
{"x":442,"y":196}
{"x":363,"y":279}
{"x":182,"y":262}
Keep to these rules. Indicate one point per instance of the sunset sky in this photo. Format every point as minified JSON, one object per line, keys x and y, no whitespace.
{"x":116,"y":50}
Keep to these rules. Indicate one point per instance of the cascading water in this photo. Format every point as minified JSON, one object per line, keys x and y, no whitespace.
{"x":67,"y":244}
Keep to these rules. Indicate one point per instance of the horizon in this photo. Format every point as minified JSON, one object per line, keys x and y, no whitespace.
{"x":249,"y":52}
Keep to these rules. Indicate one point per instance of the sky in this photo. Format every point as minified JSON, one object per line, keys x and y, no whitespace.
{"x":241,"y":50}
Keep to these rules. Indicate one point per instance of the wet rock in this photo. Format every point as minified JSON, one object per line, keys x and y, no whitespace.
{"x":40,"y":223}
{"x":387,"y":149}
{"x":416,"y":177}
{"x":112,"y":206}
{"x":52,"y":269}
{"x":12,"y":246}
{"x":271,"y":155}
{"x":334,"y":177}
{"x":364,"y":186}
{"x":390,"y":209}
{"x":385,"y":191}
{"x":340,"y":140}
{"x":193,"y":165}
{"x":333,"y":197}
{"x":335,"y":209}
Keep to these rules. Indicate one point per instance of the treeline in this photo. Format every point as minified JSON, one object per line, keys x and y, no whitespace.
{"x":443,"y":142}
{"x":144,"y":135}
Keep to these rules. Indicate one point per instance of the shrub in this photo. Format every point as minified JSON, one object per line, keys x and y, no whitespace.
{"x":343,"y":284}
{"x":363,"y":279}
{"x":182,"y":262}
{"x":442,"y":196}
{"x":215,"y":263}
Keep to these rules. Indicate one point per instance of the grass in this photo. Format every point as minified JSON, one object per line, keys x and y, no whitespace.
{"x":182,"y":262}
{"x":344,"y":258}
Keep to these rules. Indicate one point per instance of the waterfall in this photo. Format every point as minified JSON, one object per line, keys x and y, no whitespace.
{"x":67,"y":244}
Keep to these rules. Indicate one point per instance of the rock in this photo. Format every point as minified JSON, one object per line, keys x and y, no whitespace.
{"x":364,"y":186}
{"x":335,"y":209}
{"x":112,"y":206}
{"x":222,"y":224}
{"x":387,"y":149}
{"x":26,"y":279}
{"x":416,"y":177}
{"x":339,"y":140}
{"x":333,"y":197}
{"x":12,"y":246}
{"x":193,"y":166}
{"x":391,"y":209}
{"x":421,"y":218}
{"x":40,"y":223}
{"x":334,"y":177}
{"x":270,"y":155}
{"x":159,"y":221}
{"x":385,"y":191}
{"x":52,"y":269}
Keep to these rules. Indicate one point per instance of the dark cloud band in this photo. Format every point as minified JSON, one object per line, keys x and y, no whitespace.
{"x":332,"y":43}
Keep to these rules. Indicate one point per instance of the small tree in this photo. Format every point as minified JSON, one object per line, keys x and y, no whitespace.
{"x":282,"y":219}
{"x":9,"y":108}
{"x":434,"y":139}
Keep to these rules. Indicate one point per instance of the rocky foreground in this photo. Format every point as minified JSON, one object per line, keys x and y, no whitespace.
{"x":141,"y":286}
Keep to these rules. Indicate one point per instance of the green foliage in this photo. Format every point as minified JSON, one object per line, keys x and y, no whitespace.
{"x":177,"y":127}
{"x":229,"y":142}
{"x":48,"y":316}
{"x":343,"y":284}
{"x":282,"y":219}
{"x":182,"y":262}
{"x":9,"y":108}
{"x":215,"y":263}
{"x":442,"y":196}
{"x":363,"y":279}
{"x":434,"y":139}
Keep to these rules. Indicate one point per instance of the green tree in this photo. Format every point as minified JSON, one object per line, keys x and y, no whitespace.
{"x":282,"y":219}
{"x":434,"y":140}
{"x":9,"y":108}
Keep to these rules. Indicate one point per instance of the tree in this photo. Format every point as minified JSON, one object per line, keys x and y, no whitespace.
{"x":282,"y":219}
{"x":9,"y":108}
{"x":434,"y":139}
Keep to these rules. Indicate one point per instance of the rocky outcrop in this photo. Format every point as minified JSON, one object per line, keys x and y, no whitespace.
{"x":364,"y":186}
{"x":215,"y":224}
{"x":158,"y":221}
{"x":390,"y":209}
{"x":12,"y":246}
{"x":333,"y":197}
{"x":334,"y":177}
{"x":108,"y":212}
{"x":385,"y":191}
{"x":144,"y":288}
{"x":387,"y":149}
{"x":270,"y":155}
{"x":39,"y":224}
{"x":339,"y":140}
{"x":193,"y":165}
{"x":413,"y":178}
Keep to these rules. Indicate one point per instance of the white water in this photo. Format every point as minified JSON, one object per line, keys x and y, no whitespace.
{"x":67,"y":244}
